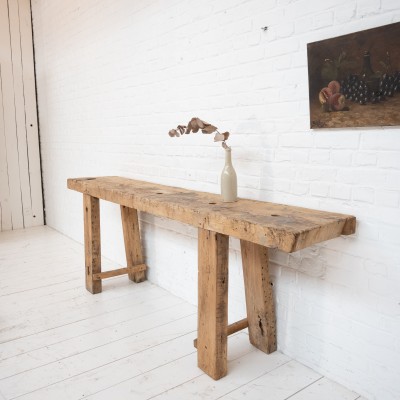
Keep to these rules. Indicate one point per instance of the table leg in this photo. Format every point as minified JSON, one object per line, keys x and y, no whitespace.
{"x":212,"y":336}
{"x":91,"y":212}
{"x":133,"y":245}
{"x":259,"y":300}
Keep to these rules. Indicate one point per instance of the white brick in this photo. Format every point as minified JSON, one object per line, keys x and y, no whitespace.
{"x":368,"y":177}
{"x":384,"y":287}
{"x":366,"y":7}
{"x":280,"y":47}
{"x":377,"y":337}
{"x":364,"y":194}
{"x":283,"y":155}
{"x":342,"y":192}
{"x":390,"y":234}
{"x":282,"y":62}
{"x":342,"y":157}
{"x":345,"y":13}
{"x":338,"y":140}
{"x":320,"y":156}
{"x":388,"y":198}
{"x":299,"y":156}
{"x":365,"y":158}
{"x":319,"y":189}
{"x":389,"y":160}
{"x":285,"y":30}
{"x":303,"y":24}
{"x":296,"y":140}
{"x":323,"y":20}
{"x":114,"y":77}
{"x":392,"y":177}
{"x":300,"y":188}
{"x":317,"y":174}
{"x":376,"y":268}
{"x":388,"y":5}
{"x":385,"y":140}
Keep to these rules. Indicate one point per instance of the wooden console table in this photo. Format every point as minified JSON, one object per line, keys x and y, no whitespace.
{"x":259,"y":226}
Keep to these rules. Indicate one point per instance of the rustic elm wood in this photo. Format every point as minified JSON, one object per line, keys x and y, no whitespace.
{"x":133,"y":247}
{"x":259,"y":302}
{"x":91,"y":212}
{"x":212,"y":319}
{"x":258,"y":225}
{"x":232,"y":328}
{"x":121,"y":271}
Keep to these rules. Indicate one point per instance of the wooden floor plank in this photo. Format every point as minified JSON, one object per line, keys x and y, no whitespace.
{"x":71,"y":313}
{"x":280,"y":383}
{"x":58,"y":291}
{"x":153,"y":382}
{"x":46,"y":375}
{"x":325,"y":389}
{"x":115,"y":373}
{"x":47,"y":337}
{"x":130,"y":341}
{"x":59,"y":334}
{"x":18,"y":308}
{"x":174,"y":308}
{"x":240,"y":371}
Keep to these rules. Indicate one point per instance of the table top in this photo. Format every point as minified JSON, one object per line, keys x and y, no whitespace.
{"x":285,"y":227}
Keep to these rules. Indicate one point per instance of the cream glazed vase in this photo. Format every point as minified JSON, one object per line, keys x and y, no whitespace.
{"x":228,"y":179}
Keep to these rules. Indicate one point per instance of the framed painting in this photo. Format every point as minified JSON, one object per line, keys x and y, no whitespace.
{"x":354,"y":80}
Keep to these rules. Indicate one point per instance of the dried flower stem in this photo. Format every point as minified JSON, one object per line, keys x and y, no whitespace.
{"x":196,"y":124}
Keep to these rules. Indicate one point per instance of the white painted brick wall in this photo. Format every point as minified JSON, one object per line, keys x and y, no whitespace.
{"x":114,"y":76}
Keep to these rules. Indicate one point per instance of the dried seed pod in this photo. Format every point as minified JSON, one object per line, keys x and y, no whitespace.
{"x":226,"y":135}
{"x":194,"y":125}
{"x":181,"y":129}
{"x":219,"y":137}
{"x":200,"y":123}
{"x":209,"y":129}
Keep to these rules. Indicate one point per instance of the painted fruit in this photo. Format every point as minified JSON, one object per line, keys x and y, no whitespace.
{"x":337,"y":102}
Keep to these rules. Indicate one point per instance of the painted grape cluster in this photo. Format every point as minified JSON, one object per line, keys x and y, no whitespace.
{"x":358,"y":90}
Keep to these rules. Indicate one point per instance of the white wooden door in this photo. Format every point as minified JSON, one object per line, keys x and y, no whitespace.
{"x":21,"y":203}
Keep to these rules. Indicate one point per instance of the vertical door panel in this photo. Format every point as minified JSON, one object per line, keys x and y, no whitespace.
{"x":20,"y":179}
{"x":10,"y":126}
{"x":31,"y":123}
{"x":5,"y":210}
{"x":22,"y":147}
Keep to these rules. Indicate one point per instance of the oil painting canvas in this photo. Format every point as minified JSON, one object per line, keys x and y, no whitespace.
{"x":354,"y":80}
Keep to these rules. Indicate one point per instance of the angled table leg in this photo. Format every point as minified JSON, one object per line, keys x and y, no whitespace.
{"x":213,"y":303}
{"x":91,"y":212}
{"x":133,"y":246}
{"x":259,"y":300}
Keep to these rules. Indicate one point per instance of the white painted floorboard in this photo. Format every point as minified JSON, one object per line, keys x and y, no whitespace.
{"x":132,"y":341}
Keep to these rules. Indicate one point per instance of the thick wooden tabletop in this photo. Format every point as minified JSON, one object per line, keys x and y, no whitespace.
{"x":285,"y":227}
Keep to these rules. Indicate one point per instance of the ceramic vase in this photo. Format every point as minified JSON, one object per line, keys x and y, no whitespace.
{"x":228,"y":179}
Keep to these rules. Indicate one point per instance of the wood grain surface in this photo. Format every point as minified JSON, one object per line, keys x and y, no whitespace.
{"x":91,"y":213}
{"x":259,"y":299}
{"x":285,"y":227}
{"x":212,"y":326}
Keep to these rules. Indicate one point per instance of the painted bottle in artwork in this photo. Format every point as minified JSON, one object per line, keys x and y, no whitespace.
{"x":368,"y":75}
